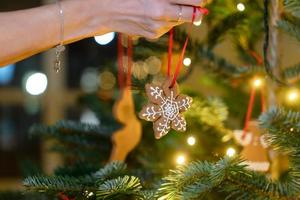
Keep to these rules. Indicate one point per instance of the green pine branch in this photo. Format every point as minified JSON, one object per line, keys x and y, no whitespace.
{"x":198,"y":179}
{"x":228,"y":23}
{"x":82,"y":135}
{"x":292,"y":73}
{"x":111,"y":170}
{"x":212,"y":113}
{"x":293,"y":6}
{"x":77,"y":170}
{"x":127,"y":187}
{"x":56,"y":184}
{"x":283,"y":127}
{"x":71,"y":127}
{"x":290,"y":27}
{"x":107,"y":183}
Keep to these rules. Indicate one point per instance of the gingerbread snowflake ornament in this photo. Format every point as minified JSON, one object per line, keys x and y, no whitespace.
{"x":165,"y":108}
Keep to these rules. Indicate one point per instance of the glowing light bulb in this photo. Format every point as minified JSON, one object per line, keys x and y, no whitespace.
{"x":293,"y":95}
{"x":187,"y":62}
{"x":198,"y":23}
{"x":105,"y":39}
{"x":191,"y":141}
{"x":230,"y":152}
{"x":180,"y":160}
{"x":241,"y":7}
{"x":36,"y":83}
{"x":257,"y":82}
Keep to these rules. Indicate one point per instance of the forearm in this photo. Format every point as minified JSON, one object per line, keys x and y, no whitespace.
{"x":27,"y":32}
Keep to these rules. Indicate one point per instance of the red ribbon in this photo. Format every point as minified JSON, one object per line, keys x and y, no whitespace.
{"x":62,"y":196}
{"x":121,"y":71}
{"x":259,"y":61}
{"x":250,"y":108}
{"x":203,"y":11}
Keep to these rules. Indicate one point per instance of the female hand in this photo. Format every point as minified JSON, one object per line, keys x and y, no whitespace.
{"x":146,"y":18}
{"x":39,"y":29}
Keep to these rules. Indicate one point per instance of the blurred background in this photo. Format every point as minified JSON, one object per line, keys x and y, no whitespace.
{"x":31,"y":92}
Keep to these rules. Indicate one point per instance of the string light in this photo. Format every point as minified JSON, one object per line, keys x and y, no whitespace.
{"x":191,"y":141}
{"x":293,"y":95}
{"x":257,"y":82}
{"x":36,"y":83}
{"x":105,"y":39}
{"x":187,"y":62}
{"x":291,"y":129}
{"x":230,"y":152}
{"x":180,"y":159}
{"x":198,"y":23}
{"x":241,"y":7}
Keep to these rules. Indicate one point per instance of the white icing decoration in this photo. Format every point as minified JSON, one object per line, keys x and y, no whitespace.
{"x":166,"y":110}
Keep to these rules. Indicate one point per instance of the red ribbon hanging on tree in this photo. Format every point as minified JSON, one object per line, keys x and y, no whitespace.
{"x":203,"y":11}
{"x":251,"y":105}
{"x":259,"y":61}
{"x":121,"y":69}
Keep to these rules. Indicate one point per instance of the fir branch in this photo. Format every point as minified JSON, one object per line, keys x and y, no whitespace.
{"x":198,"y":179}
{"x":289,"y":27}
{"x":292,"y":73}
{"x":195,"y":180}
{"x":77,"y":170}
{"x":229,"y":22}
{"x":82,"y":153}
{"x":212,"y":113}
{"x":292,"y":6}
{"x":127,"y":187}
{"x":56,"y":184}
{"x":72,"y":127}
{"x":222,"y":66}
{"x":80,"y":134}
{"x":283,"y":127}
{"x":111,"y":170}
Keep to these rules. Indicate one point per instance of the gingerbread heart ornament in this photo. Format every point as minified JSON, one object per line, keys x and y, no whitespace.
{"x":165,"y":108}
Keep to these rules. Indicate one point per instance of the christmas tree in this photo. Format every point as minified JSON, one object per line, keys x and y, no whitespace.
{"x":207,"y":167}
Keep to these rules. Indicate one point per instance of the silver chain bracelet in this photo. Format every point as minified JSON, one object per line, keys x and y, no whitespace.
{"x":60,"y":48}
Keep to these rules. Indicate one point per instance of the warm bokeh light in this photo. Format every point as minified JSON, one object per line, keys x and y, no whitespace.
{"x":257,"y":82}
{"x":241,"y":7}
{"x":187,"y":62}
{"x":107,"y":80}
{"x":180,"y":159}
{"x":191,"y":141}
{"x":230,"y":152}
{"x":105,"y":39}
{"x":36,"y":83}
{"x":293,"y":95}
{"x":198,"y":23}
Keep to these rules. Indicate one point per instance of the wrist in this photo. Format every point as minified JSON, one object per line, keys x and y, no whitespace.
{"x":82,"y":19}
{"x":97,"y":17}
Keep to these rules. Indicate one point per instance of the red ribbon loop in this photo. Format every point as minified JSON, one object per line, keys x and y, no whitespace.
{"x":203,"y":11}
{"x":121,"y":71}
{"x":250,"y":108}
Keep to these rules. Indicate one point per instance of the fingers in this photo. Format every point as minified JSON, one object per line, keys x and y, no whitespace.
{"x":186,"y":13}
{"x":189,"y":2}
